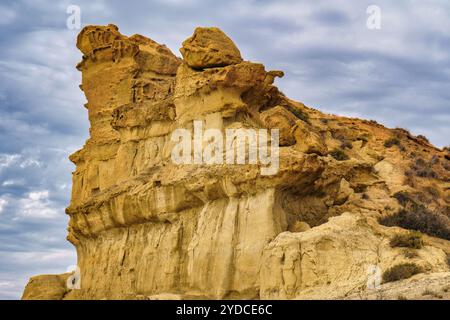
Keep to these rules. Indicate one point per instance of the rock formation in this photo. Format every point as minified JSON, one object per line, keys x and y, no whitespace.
{"x":145,"y":227}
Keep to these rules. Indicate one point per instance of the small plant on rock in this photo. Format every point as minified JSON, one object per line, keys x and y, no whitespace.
{"x":346,"y":145}
{"x":422,"y":137}
{"x":391,"y":142}
{"x":300,"y":114}
{"x":410,"y":254}
{"x":339,"y":155}
{"x":403,"y":197}
{"x":411,"y":240}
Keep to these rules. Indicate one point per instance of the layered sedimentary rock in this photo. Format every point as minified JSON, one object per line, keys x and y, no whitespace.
{"x":146,"y":227}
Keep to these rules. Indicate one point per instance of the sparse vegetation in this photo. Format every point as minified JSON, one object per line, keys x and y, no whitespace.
{"x":422,"y":137}
{"x":391,"y":142}
{"x":360,"y":188}
{"x":428,"y":292}
{"x":412,"y":240}
{"x":300,"y":114}
{"x":433,"y":224}
{"x":402,"y":132}
{"x":401,"y":297}
{"x":364,"y":138}
{"x":422,"y":169}
{"x":394,"y":142}
{"x":446,"y":166}
{"x":339,"y":154}
{"x":410,"y":254}
{"x":346,"y":145}
{"x":433,"y":192}
{"x":401,"y":271}
{"x":415,"y":216}
{"x":402,"y":197}
{"x":435,"y":160}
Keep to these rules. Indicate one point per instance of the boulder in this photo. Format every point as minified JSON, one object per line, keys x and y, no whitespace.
{"x":209,"y":48}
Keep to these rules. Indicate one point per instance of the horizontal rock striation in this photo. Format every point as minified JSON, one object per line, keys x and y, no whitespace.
{"x":145,"y":227}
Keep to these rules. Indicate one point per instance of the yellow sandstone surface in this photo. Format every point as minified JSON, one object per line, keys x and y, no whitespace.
{"x":146,"y":228}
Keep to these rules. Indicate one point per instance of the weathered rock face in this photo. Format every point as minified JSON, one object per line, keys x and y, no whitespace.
{"x":46,"y":287}
{"x":147,"y":227}
{"x":332,"y":260}
{"x":209,"y":48}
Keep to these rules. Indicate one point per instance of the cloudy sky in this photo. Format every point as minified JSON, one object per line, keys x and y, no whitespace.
{"x":398,"y":75}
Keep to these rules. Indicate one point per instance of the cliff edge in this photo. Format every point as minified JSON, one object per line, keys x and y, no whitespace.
{"x":352,"y":210}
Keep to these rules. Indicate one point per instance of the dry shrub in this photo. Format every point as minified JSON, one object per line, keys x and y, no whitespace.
{"x":299,"y":113}
{"x":401,"y":271}
{"x":423,"y":169}
{"x":339,"y":154}
{"x":391,"y":142}
{"x":433,"y":224}
{"x":415,"y":216}
{"x":412,"y":240}
{"x":422,"y":137}
{"x":410,"y":253}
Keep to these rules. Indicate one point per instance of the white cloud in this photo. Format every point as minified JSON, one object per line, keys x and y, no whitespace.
{"x":38,"y":195}
{"x":6,"y":284}
{"x":7,"y":160}
{"x":37,"y":205}
{"x":3,"y":203}
{"x":30,"y":162}
{"x":13,"y":182}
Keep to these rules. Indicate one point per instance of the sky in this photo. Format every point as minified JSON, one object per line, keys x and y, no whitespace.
{"x":398,"y":75}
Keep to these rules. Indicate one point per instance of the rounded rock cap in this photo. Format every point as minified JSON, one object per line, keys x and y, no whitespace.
{"x":209,"y":48}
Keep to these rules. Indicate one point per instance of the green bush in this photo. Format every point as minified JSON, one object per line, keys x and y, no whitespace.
{"x":411,"y":240}
{"x":401,"y":271}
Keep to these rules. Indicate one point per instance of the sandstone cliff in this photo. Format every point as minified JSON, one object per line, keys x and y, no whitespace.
{"x":335,"y":214}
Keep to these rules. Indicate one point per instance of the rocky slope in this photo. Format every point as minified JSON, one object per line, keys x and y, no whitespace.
{"x":332,"y":223}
